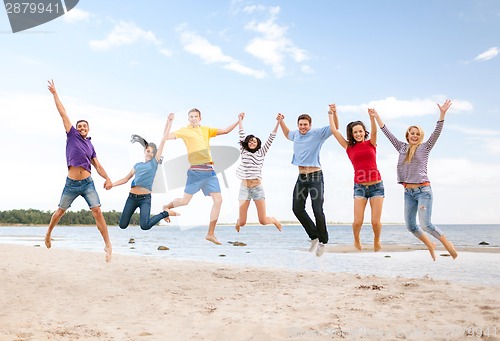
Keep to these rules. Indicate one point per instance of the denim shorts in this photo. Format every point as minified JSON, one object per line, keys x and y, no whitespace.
{"x":75,"y":188}
{"x":207,"y":181}
{"x":255,"y":193}
{"x":371,"y":191}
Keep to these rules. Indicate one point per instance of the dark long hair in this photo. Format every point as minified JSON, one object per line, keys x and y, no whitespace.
{"x":145,"y":144}
{"x":350,"y":138}
{"x":244,"y":143}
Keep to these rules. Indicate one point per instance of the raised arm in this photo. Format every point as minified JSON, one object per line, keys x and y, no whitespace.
{"x":398,"y":144}
{"x":166,"y":133}
{"x":284,"y":128}
{"x":265,"y":147}
{"x":231,"y":127}
{"x":100,"y":170}
{"x":241,"y":131}
{"x":275,"y":130}
{"x":373,"y":131}
{"x":59,"y":106}
{"x":443,"y":109}
{"x":334,"y":125}
{"x":373,"y":113}
{"x":241,"y":116}
{"x":124,"y":180}
{"x":439,"y":125}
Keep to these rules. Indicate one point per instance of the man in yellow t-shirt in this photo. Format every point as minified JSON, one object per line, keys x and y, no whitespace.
{"x":201,"y":174}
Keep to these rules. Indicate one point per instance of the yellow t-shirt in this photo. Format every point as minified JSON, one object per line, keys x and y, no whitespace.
{"x":197,"y":142}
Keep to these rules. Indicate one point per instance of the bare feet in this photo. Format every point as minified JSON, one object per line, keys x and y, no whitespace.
{"x":170,"y":213}
{"x":431,"y":248}
{"x":357,"y":244}
{"x":377,"y":246}
{"x":213,"y":239}
{"x":449,"y":247}
{"x":108,"y":251}
{"x":277,"y":224}
{"x":453,"y":252}
{"x":48,"y":241}
{"x":237,"y":227}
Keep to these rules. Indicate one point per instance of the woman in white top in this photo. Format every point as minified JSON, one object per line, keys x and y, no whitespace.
{"x":250,"y":173}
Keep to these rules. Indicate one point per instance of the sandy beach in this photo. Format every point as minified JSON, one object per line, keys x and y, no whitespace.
{"x":60,"y":294}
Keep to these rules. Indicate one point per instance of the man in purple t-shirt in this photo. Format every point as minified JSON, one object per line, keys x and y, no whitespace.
{"x":80,"y":154}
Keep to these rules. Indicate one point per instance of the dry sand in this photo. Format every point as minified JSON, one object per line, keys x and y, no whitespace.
{"x":69,"y":295}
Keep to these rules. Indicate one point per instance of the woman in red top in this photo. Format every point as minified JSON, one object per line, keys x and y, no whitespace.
{"x":368,"y":183}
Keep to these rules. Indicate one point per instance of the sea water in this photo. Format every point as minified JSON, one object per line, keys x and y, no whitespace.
{"x":266,"y":247}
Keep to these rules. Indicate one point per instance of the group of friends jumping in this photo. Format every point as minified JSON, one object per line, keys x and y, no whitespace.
{"x":359,"y":144}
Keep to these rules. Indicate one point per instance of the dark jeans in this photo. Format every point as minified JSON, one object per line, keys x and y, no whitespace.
{"x":143,"y":201}
{"x":312,"y":184}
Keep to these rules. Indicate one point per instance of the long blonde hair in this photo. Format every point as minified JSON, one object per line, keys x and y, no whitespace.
{"x":412,"y":148}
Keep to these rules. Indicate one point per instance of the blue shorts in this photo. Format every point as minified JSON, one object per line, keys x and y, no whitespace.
{"x":371,"y":191}
{"x":75,"y":188}
{"x":207,"y":181}
{"x":255,"y":193}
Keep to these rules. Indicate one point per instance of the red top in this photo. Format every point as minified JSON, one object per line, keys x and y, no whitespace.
{"x":363,"y":156}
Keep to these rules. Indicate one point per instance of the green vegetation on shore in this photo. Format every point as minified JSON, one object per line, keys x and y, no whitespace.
{"x":84,"y":217}
{"x":37,"y":217}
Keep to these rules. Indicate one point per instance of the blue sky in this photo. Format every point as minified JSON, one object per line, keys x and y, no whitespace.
{"x":125,"y":65}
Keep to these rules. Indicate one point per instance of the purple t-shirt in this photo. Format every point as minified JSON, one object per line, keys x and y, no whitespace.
{"x":79,"y":151}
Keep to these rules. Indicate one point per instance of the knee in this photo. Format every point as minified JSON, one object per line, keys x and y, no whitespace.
{"x":413,"y":228}
{"x":98,"y":216}
{"x":58,"y":213}
{"x":357,"y":223}
{"x":218,"y":201}
{"x":376,"y":224}
{"x":318,"y":211}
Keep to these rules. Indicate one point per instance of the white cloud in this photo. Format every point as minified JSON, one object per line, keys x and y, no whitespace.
{"x":254,"y":8}
{"x":76,"y":15}
{"x":202,"y":48}
{"x":492,"y":146}
{"x":166,"y":52}
{"x":124,"y":33}
{"x":237,"y":67}
{"x":213,"y":54}
{"x":488,"y":54}
{"x":273,"y":46}
{"x":391,"y":107}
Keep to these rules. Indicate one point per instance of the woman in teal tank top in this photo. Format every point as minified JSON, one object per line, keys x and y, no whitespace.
{"x":140,"y":191}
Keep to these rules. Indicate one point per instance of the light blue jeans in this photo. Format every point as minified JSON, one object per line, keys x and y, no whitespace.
{"x":419,"y":201}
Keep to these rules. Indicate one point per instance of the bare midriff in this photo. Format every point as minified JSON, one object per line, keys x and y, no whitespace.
{"x":369,"y":183}
{"x":250,"y":183}
{"x":139,"y":190}
{"x":308,"y":169}
{"x":77,"y":173}
{"x":423,"y":184}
